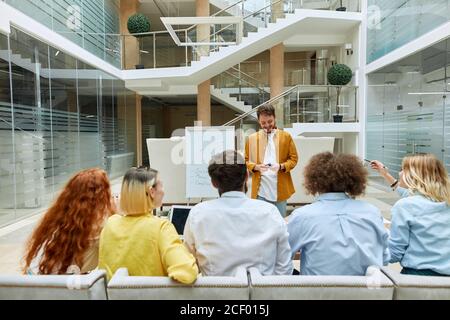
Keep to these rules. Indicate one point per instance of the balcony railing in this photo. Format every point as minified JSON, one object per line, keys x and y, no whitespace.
{"x":309,"y":104}
{"x":159,"y":50}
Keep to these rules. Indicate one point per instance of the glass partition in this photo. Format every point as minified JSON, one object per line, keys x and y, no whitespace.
{"x":391,"y":24}
{"x":92,"y":24}
{"x":408,"y":108}
{"x":58,"y":115}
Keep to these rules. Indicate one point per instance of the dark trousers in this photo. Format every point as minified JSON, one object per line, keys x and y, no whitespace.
{"x":423,"y":272}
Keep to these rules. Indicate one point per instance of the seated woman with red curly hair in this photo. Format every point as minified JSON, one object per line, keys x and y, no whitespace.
{"x":337,"y":235}
{"x":67,"y":238}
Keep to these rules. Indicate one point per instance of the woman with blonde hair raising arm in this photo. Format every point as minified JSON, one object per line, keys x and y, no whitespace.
{"x":420,"y":231}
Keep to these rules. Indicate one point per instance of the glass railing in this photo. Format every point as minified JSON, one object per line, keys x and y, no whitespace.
{"x":258,"y":14}
{"x":254,"y":89}
{"x":159,"y":50}
{"x":242,"y":86}
{"x":93,"y":25}
{"x":79,"y":22}
{"x":318,"y":104}
{"x":309,"y":104}
{"x":306,"y":72}
{"x":392,"y":24}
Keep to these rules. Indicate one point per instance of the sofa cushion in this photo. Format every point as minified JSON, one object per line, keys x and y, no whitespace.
{"x":411,"y":287}
{"x":125,"y":287}
{"x":375,"y":285}
{"x":91,"y":286}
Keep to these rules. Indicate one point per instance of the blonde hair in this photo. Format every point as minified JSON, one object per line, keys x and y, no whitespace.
{"x":135,"y":198}
{"x":426,"y":174}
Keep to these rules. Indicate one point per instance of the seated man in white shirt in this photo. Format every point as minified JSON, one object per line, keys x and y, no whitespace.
{"x":234,"y":231}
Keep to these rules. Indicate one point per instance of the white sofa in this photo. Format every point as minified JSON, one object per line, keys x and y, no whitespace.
{"x":125,"y":287}
{"x":49,"y":287}
{"x":409,"y":287}
{"x":374,"y":286}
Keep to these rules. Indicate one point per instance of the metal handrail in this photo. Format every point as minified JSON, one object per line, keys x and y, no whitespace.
{"x":245,"y":74}
{"x":244,"y":17}
{"x":246,"y":114}
{"x":261,"y":90}
{"x":186,"y":29}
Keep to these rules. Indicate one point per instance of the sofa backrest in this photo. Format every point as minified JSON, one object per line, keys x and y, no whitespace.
{"x":374,"y":286}
{"x":125,"y":287}
{"x":409,"y":287}
{"x":54,"y":287}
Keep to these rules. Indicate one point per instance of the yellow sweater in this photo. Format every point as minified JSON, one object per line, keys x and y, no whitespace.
{"x":147,"y":246}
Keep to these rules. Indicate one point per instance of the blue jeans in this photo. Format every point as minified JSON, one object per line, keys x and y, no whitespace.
{"x":281,"y":205}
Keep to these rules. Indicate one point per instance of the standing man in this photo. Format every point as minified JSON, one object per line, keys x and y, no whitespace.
{"x":270,"y":154}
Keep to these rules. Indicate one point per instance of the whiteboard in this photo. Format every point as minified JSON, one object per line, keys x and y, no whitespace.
{"x":201,"y":144}
{"x":167,"y":156}
{"x":306,"y":148}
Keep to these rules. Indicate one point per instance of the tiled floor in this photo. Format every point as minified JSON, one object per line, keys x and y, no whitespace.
{"x":13,"y":238}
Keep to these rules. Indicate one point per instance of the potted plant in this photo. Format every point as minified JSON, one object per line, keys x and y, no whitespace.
{"x":341,"y":8}
{"x":137,"y":24}
{"x":339,"y":75}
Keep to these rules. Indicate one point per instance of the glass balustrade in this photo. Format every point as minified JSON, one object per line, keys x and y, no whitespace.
{"x":310,"y":104}
{"x":392,"y":24}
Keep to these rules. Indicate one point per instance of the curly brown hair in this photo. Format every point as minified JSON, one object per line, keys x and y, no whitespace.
{"x":327,"y":172}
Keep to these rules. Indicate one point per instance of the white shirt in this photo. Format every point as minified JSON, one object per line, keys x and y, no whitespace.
{"x":268,"y":188}
{"x":234,"y":231}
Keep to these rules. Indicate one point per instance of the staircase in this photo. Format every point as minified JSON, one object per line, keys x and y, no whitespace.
{"x":18,"y":60}
{"x":231,"y":102}
{"x":239,"y":10}
{"x":228,"y":56}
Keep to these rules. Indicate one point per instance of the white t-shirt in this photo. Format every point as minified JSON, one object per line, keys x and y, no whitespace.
{"x":268,"y":188}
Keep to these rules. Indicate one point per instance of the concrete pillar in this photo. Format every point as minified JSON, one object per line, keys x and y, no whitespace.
{"x":203,"y":31}
{"x":277,"y":8}
{"x":204,"y":92}
{"x":277,"y":80}
{"x":204,"y":103}
{"x":131,"y":55}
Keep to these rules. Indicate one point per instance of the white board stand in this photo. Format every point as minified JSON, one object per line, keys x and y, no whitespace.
{"x":201,"y":144}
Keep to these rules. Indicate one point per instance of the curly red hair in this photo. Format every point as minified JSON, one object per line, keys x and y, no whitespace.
{"x":75,"y":218}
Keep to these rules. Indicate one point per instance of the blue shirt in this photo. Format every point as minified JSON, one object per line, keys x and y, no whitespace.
{"x":338,"y":236}
{"x":420,"y":234}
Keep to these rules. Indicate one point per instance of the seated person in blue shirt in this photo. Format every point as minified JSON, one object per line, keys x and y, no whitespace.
{"x":234,"y":231}
{"x":420,"y":230}
{"x":336,"y":234}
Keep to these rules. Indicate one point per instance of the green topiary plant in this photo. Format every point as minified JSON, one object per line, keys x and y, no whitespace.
{"x":138,"y":23}
{"x":339,"y":75}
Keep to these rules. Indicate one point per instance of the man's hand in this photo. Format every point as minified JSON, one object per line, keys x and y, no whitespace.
{"x":275,"y":167}
{"x":261,"y":168}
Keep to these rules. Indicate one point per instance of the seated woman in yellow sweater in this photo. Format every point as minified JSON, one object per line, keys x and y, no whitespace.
{"x":139,"y":241}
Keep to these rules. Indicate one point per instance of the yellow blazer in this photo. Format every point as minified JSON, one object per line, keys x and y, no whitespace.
{"x":147,"y":246}
{"x":255,"y":149}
